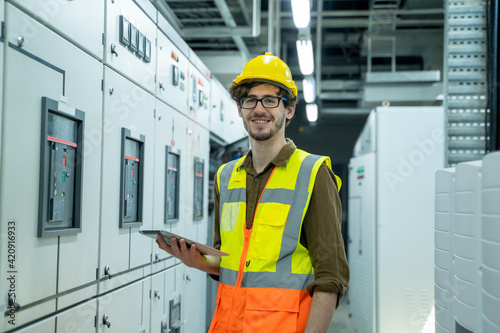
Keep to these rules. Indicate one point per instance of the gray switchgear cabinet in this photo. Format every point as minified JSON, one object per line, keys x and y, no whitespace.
{"x":61,"y":161}
{"x":132,"y":178}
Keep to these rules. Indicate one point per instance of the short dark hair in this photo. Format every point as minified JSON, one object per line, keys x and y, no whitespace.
{"x":241,"y":90}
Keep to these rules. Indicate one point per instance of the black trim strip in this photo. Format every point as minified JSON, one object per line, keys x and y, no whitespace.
{"x":493,"y":10}
{"x":43,"y":62}
{"x":2,"y":36}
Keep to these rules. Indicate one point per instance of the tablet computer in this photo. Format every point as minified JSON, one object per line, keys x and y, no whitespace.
{"x":167,"y":235}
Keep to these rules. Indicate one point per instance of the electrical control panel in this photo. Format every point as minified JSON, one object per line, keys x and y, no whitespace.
{"x":178,"y":76}
{"x":172,"y":74}
{"x":61,"y":161}
{"x":199,"y":95}
{"x":129,"y":46}
{"x":199,"y":92}
{"x":172,"y":179}
{"x":132,"y":178}
{"x":199,"y":167}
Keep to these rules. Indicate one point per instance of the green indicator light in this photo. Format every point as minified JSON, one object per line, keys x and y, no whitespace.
{"x":361,"y":170}
{"x":63,"y":176}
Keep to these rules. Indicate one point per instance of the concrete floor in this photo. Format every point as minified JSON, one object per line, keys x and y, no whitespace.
{"x":341,"y":323}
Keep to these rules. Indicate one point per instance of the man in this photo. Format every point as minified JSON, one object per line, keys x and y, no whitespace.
{"x":277,"y":214}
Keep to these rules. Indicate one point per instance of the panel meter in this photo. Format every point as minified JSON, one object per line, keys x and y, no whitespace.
{"x":194,"y":89}
{"x":198,"y":188}
{"x":132,"y":178}
{"x":61,"y":161}
{"x":201,"y":97}
{"x":175,"y":75}
{"x":221,"y":110}
{"x":141,"y":44}
{"x":124,"y":31}
{"x":134,"y":38}
{"x":175,"y":315}
{"x":147,"y":50}
{"x":172,"y":167}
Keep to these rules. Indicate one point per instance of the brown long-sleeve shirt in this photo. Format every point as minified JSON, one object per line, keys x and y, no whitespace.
{"x":321,"y":233}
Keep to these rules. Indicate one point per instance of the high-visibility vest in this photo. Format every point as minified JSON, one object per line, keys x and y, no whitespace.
{"x":263,"y":281}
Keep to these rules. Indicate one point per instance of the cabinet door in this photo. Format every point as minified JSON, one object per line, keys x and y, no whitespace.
{"x":125,"y":310}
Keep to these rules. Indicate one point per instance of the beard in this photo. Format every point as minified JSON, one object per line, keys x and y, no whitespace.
{"x":262,"y":135}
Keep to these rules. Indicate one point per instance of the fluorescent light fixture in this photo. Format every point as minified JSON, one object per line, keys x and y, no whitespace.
{"x":312,"y":112}
{"x":306,"y":56}
{"x":301,"y":10}
{"x":309,"y":88}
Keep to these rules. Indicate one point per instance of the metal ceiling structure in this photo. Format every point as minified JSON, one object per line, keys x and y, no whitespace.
{"x":227,"y":33}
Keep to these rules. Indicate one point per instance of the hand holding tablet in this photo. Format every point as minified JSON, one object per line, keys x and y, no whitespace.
{"x":167,"y":236}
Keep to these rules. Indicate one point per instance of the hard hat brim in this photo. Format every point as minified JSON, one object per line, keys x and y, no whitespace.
{"x":238,"y":81}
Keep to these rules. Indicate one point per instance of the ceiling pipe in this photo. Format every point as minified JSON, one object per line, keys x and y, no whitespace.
{"x":277,"y":23}
{"x":270,"y":26}
{"x":256,"y":18}
{"x":366,"y":13}
{"x":229,"y":21}
{"x":319,"y":48}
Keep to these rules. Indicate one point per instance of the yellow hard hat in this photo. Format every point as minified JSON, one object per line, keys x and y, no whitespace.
{"x":268,"y":68}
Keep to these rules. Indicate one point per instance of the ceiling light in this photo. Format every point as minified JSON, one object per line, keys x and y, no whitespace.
{"x":309,"y":89}
{"x":301,"y":10}
{"x":312,"y":112}
{"x":306,"y":56}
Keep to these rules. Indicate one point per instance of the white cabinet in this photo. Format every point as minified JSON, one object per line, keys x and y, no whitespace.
{"x":391,"y":232}
{"x":490,"y":224}
{"x":125,"y":310}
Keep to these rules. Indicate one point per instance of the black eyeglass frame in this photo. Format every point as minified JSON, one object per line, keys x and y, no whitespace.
{"x":257,"y":100}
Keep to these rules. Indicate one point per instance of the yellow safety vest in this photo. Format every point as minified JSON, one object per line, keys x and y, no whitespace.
{"x":263,"y":282}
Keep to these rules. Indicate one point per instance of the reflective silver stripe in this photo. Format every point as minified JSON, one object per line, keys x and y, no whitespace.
{"x":229,"y":195}
{"x":228,"y":276}
{"x":294,"y":221}
{"x":279,"y":195}
{"x":233,"y":195}
{"x":225,"y":174}
{"x":285,"y":280}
